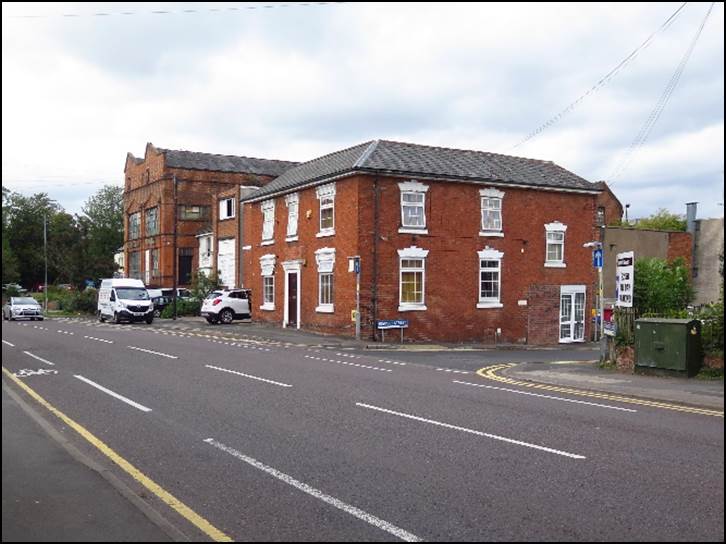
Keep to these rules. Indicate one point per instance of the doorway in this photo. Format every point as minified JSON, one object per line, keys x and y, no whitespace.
{"x":572,"y":313}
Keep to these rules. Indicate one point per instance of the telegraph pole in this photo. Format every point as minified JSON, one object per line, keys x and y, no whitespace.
{"x":175,"y":258}
{"x":45,"y":255}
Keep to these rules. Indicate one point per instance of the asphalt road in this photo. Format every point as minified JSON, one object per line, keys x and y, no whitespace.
{"x":264,"y":441}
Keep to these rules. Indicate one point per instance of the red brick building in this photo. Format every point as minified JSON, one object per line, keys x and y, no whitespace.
{"x":206,"y":189}
{"x":465,"y":245}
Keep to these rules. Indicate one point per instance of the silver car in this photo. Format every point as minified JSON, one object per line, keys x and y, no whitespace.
{"x":22,"y":307}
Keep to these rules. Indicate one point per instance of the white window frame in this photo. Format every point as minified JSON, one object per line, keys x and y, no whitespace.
{"x":151,"y":213}
{"x":224,"y":206}
{"x":486,"y":195}
{"x":326,"y":197}
{"x":134,"y":225}
{"x":268,"y":222}
{"x":267,"y":271}
{"x":418,"y":189}
{"x":293,"y":204}
{"x":412,"y":253}
{"x":555,"y":228}
{"x":490,"y":255}
{"x":325,"y":257}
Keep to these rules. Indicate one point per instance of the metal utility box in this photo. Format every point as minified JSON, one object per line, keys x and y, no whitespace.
{"x":668,"y":344}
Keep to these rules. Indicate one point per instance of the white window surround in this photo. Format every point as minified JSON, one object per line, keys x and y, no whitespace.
{"x":489,"y":254}
{"x":416,"y":188}
{"x":226,"y":208}
{"x":325,"y":257}
{"x":268,"y":221}
{"x":325,"y":192}
{"x":293,"y":202}
{"x":556,"y":226}
{"x":491,"y":193}
{"x":412,"y":252}
{"x":267,"y":269}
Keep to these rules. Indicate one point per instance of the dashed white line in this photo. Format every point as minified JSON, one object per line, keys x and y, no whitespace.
{"x":99,"y":339}
{"x":452,"y":371}
{"x":39,"y":358}
{"x":346,"y":363}
{"x":546,"y":396}
{"x":113,"y":394}
{"x":248,"y":376}
{"x":305,"y":488}
{"x":470,"y":431}
{"x":8,"y":343}
{"x":153,"y":352}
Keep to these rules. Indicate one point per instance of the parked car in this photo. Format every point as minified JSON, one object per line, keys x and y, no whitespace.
{"x":181,"y":293}
{"x":22,"y":307}
{"x":227,"y":305}
{"x":160,"y":303}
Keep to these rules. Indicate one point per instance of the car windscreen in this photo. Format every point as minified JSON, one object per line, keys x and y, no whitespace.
{"x":132,"y":293}
{"x":25,"y":300}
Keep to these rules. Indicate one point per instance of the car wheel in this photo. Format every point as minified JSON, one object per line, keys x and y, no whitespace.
{"x":150,"y":320}
{"x":157,"y":312}
{"x":101,"y":318}
{"x":212,"y":320}
{"x":116,"y":319}
{"x":226,"y":316}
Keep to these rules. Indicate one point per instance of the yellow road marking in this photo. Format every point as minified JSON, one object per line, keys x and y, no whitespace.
{"x":491,"y":373}
{"x":189,"y":514}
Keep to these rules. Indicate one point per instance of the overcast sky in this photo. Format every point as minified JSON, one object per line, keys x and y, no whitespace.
{"x":295,"y":82}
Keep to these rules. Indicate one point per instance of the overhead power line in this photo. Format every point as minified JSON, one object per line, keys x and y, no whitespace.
{"x":172,"y":12}
{"x":657,"y":111}
{"x":603,"y":81}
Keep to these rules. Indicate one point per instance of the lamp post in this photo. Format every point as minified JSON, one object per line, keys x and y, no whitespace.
{"x":45,"y":256}
{"x":598,"y":263}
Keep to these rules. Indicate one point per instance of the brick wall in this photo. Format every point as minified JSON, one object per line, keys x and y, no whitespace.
{"x":680,"y":244}
{"x":452,"y":265}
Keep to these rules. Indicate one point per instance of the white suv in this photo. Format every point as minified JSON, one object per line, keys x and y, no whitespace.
{"x":225,"y":306}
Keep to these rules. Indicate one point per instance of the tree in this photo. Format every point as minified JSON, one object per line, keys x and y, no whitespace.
{"x":9,"y":260}
{"x":103,"y":230}
{"x":663,"y":220}
{"x":661,"y":287}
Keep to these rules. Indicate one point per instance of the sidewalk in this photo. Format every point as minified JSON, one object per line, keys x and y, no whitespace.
{"x":48,"y":495}
{"x":588,"y":375}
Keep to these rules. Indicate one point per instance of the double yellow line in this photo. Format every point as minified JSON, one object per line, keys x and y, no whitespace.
{"x":186,"y":512}
{"x":492,"y":373}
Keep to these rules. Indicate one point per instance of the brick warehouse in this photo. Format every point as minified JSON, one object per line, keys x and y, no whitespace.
{"x":208,"y":190}
{"x":465,"y":245}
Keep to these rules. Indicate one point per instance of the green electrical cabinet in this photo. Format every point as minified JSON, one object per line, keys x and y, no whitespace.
{"x":668,"y":344}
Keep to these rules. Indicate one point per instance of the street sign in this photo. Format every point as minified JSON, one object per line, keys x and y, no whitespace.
{"x":611,"y":328}
{"x":392,"y":323}
{"x":597,"y":258}
{"x":625,"y":279}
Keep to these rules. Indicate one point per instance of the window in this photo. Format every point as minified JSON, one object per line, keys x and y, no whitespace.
{"x":413,"y":207}
{"x":155,"y":273}
{"x":292,"y":202}
{"x":555,"y":257}
{"x":152,"y":221}
{"x":491,"y":212}
{"x":267,"y":270}
{"x":135,"y":265}
{"x":193,"y":213}
{"x":412,"y":278}
{"x":134,"y":225}
{"x":268,"y":221}
{"x":326,"y":195}
{"x":325,"y":258}
{"x":490,"y":278}
{"x":226,"y":209}
{"x":600,"y":216}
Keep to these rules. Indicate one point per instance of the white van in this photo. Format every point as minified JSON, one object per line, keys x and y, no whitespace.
{"x":124,"y":299}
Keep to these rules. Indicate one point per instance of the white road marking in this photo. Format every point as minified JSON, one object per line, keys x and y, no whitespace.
{"x":346,"y":363}
{"x":305,"y":488}
{"x":471,"y":431}
{"x":99,"y":339}
{"x":39,"y":358}
{"x":249,"y":376}
{"x":153,"y":352}
{"x":546,"y":396}
{"x":115,"y":395}
{"x":8,"y":343}
{"x":453,"y":371}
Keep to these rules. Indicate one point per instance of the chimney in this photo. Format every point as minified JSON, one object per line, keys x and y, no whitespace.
{"x":691,"y":217}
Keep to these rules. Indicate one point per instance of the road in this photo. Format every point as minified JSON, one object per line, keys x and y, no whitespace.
{"x":263,"y":441}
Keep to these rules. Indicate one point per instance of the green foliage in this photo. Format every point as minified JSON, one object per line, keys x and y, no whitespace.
{"x":102,"y":224}
{"x":202,"y":285}
{"x":663,"y":220}
{"x":661,"y":286}
{"x":84,"y":302}
{"x":183,"y":307}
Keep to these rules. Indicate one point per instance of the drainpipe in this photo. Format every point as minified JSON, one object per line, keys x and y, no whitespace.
{"x":691,"y":209}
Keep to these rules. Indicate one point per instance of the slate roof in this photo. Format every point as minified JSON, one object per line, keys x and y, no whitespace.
{"x":397,"y":158}
{"x":192,"y":160}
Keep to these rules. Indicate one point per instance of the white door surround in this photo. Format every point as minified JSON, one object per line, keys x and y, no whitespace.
{"x":292,"y":267}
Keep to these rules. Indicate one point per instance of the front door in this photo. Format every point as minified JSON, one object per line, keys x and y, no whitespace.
{"x":572,"y":314}
{"x":292,"y":298}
